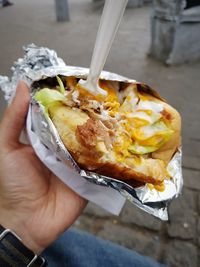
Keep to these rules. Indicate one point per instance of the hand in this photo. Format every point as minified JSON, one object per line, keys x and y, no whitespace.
{"x":33,"y":201}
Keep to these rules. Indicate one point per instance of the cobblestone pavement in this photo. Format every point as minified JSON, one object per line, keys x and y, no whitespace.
{"x":176,"y":242}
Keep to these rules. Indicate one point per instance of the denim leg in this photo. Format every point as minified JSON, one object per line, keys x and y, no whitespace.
{"x":79,"y":249}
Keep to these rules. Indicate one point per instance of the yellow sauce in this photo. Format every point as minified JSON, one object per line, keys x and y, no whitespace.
{"x":71,"y":82}
{"x":160,"y":187}
{"x":85,"y":94}
{"x":132,"y":125}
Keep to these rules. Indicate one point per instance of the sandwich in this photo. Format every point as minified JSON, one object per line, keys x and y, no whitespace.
{"x":131,"y":134}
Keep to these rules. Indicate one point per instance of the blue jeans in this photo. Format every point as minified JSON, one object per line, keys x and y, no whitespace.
{"x":79,"y":249}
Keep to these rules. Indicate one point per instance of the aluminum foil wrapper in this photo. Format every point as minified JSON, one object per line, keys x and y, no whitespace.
{"x":40,"y":63}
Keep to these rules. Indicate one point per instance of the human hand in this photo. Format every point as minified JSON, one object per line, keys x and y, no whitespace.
{"x":33,"y":201}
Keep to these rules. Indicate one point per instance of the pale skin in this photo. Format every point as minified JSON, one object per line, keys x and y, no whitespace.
{"x":33,"y":201}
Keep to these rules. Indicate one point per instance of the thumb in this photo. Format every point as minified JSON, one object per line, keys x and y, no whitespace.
{"x":14,"y":117}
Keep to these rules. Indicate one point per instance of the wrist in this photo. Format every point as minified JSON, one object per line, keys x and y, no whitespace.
{"x":14,"y":253}
{"x":20,"y":227}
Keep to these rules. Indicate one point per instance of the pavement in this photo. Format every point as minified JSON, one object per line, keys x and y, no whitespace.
{"x":177,"y":242}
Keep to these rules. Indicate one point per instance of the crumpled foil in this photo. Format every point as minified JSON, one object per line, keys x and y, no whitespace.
{"x":40,"y":63}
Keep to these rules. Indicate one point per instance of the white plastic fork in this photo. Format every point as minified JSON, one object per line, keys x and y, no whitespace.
{"x":110,"y":20}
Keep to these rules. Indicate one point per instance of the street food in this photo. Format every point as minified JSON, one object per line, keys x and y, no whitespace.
{"x":130,"y":135}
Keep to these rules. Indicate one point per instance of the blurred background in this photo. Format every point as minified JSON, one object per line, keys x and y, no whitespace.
{"x":158,"y":43}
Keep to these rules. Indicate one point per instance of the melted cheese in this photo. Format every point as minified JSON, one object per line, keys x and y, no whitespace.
{"x":129,"y":103}
{"x":141,"y":117}
{"x":150,"y":105}
{"x":141,"y":129}
{"x":71,"y":82}
{"x":85,"y":94}
{"x":121,"y":145}
{"x":159,"y":187}
{"x":156,"y":129}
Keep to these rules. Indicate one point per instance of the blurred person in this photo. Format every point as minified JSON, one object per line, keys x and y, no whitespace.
{"x":6,"y":3}
{"x":39,"y":208}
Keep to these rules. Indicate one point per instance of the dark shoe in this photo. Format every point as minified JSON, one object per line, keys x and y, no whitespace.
{"x":7,"y":4}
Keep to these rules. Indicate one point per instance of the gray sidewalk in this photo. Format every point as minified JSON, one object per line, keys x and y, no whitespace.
{"x":176,"y":243}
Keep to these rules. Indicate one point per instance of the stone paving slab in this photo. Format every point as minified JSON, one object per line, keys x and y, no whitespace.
{"x":93,"y":209}
{"x":181,"y":254}
{"x":191,"y":179}
{"x":176,"y":243}
{"x":191,"y":162}
{"x":141,"y":241}
{"x":198,"y":232}
{"x":183,"y":216}
{"x":134,"y":216}
{"x":198,"y":204}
